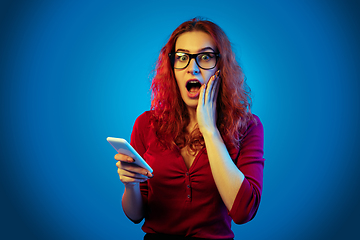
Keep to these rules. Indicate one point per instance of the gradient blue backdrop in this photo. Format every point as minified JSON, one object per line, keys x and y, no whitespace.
{"x":76,"y":72}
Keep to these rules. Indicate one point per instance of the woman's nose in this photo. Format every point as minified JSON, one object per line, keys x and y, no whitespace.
{"x":193,"y":67}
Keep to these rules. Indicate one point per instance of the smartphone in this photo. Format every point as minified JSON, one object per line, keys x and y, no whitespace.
{"x":122,"y":146}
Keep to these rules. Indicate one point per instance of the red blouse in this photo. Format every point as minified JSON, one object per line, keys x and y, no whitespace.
{"x":185,"y":201}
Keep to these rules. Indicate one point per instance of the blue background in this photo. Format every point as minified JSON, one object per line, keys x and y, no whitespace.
{"x":76,"y":72}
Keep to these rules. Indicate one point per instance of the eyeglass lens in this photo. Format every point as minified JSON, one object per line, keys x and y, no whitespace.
{"x":204,"y":60}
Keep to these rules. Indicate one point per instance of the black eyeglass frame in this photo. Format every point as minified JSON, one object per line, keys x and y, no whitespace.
{"x":191,"y":56}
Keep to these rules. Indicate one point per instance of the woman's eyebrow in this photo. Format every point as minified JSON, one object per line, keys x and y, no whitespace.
{"x":206,"y":48}
{"x":200,"y":50}
{"x":181,"y":50}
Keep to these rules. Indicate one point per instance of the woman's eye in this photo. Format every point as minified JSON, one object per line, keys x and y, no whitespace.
{"x":182,"y":57}
{"x":205,"y":57}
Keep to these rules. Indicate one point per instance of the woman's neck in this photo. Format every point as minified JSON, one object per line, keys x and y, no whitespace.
{"x":193,"y":120}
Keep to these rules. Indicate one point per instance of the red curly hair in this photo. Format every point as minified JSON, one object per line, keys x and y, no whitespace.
{"x":170,"y":115}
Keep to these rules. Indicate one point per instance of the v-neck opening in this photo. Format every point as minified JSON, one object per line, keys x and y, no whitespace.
{"x":197,"y":156}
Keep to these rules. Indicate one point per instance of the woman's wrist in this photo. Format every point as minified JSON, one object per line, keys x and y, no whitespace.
{"x":131,"y":185}
{"x":211,"y":134}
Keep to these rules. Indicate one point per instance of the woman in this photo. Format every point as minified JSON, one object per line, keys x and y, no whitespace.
{"x":201,"y":139}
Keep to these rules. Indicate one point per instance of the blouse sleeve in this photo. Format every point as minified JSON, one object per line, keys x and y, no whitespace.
{"x":251,"y":164}
{"x":137,"y":141}
{"x":137,"y":135}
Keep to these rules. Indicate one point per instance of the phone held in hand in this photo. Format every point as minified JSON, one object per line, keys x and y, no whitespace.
{"x":122,"y":146}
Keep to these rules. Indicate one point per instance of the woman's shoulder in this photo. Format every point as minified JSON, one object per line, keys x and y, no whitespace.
{"x":142,"y":126}
{"x":145,"y":115}
{"x":144,"y":118}
{"x":255,"y":120}
{"x":254,"y":127}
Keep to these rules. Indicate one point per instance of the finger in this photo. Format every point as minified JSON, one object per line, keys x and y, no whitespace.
{"x":131,"y":167}
{"x":213,"y":88}
{"x":215,"y":91}
{"x":209,"y":87}
{"x":123,"y":172}
{"x":126,"y":179}
{"x":123,"y":158}
{"x":202,"y":95}
{"x":217,"y":74}
{"x":213,"y":84}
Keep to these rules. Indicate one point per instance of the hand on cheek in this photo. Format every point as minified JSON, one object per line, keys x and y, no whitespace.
{"x":206,"y":108}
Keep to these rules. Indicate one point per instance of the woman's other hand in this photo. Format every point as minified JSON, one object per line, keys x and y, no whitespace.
{"x":206,"y":108}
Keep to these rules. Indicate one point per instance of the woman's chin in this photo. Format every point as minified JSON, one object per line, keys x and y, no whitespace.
{"x":192,"y":104}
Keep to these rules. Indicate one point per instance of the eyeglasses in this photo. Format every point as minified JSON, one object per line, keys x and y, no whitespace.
{"x":205,"y":60}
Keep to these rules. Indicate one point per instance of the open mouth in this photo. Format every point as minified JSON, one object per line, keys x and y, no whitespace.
{"x":193,"y":86}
